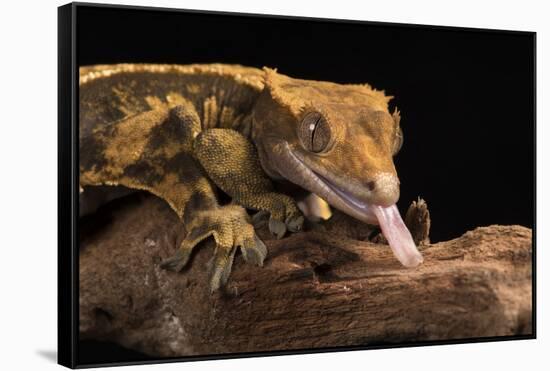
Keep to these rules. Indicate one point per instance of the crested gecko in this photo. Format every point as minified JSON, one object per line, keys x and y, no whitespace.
{"x":181,"y":131}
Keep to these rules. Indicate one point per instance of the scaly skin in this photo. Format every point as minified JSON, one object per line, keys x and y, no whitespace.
{"x":180,"y":131}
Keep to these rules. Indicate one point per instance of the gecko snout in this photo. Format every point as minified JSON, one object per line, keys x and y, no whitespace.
{"x":384,"y":189}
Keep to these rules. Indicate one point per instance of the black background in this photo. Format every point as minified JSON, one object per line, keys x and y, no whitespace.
{"x":466,"y":97}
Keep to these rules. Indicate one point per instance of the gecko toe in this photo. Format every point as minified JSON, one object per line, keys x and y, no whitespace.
{"x":177,"y":262}
{"x":259,"y":220}
{"x":254,"y":251}
{"x":295,"y":223}
{"x":277,"y":228}
{"x":222,"y":264}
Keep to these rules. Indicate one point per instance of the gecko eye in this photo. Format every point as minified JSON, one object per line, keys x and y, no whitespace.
{"x":314,"y":132}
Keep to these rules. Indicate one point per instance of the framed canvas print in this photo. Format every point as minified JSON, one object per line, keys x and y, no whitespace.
{"x":234,"y":185}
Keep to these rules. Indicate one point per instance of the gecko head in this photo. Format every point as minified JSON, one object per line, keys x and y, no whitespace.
{"x":334,"y":140}
{"x":337,"y":141}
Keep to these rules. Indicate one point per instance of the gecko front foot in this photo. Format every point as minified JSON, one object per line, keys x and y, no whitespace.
{"x":230,"y":226}
{"x":283,"y":215}
{"x":418,"y":221}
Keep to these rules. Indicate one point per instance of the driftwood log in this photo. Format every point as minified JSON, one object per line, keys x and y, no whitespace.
{"x":316,"y":289}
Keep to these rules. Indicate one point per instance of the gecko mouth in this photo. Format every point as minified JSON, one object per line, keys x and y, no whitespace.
{"x":294,"y":168}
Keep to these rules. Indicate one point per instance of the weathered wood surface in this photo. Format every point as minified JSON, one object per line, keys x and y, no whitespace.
{"x":316,"y":289}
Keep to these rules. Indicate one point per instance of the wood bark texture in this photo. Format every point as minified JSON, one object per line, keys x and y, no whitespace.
{"x":320,"y":288}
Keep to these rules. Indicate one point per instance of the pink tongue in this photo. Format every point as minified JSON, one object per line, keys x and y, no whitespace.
{"x":398,"y":235}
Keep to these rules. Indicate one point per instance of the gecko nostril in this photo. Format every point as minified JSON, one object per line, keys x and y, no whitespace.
{"x":371,"y":185}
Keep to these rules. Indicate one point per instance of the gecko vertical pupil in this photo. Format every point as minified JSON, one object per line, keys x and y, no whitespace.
{"x":314,"y":132}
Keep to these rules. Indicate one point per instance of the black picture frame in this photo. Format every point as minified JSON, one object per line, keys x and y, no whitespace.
{"x":68,"y":275}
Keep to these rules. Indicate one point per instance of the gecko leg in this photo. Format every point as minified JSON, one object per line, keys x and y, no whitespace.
{"x":232,"y":162}
{"x":152,"y":151}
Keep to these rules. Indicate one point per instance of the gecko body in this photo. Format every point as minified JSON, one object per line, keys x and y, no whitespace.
{"x":181,"y":131}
